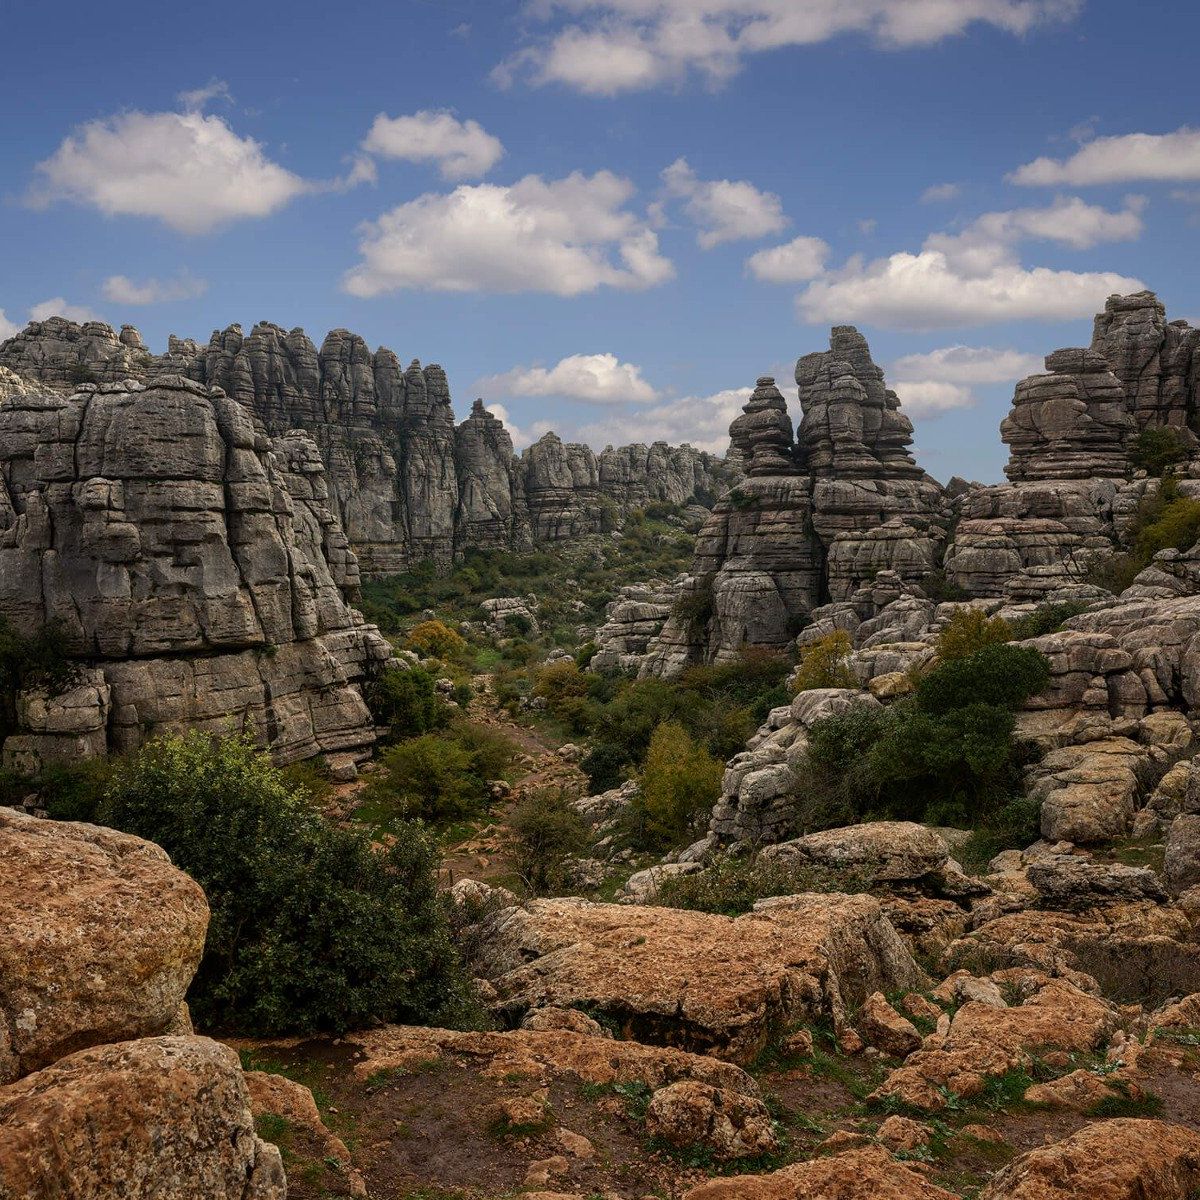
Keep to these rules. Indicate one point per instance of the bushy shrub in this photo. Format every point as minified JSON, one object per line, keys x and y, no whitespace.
{"x":946,"y":754}
{"x":942,"y":590}
{"x":547,"y":832}
{"x":695,"y":608}
{"x":68,"y":791}
{"x":679,"y":781}
{"x":312,"y":928}
{"x":606,"y":765}
{"x":29,"y":661}
{"x":825,"y":664}
{"x":435,"y":639}
{"x":1046,"y":618}
{"x":440,"y":777}
{"x":406,"y":701}
{"x":968,"y":630}
{"x":1157,"y":448}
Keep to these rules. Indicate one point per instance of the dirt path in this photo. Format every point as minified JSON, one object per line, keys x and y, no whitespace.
{"x":486,"y":853}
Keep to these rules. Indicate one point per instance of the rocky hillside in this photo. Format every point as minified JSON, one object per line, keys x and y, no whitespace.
{"x":406,"y":483}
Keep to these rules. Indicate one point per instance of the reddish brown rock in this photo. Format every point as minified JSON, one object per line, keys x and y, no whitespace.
{"x":730,"y":1124}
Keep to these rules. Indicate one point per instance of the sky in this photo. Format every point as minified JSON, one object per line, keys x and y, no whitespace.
{"x":609,"y":217}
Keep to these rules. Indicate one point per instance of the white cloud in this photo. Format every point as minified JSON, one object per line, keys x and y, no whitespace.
{"x":932,"y":397}
{"x":120,"y":289}
{"x":197,"y":98}
{"x":724,"y":210}
{"x":8,"y":328}
{"x":1172,"y":157}
{"x":703,"y":421}
{"x":188,"y":170}
{"x":58,"y":307}
{"x":626,"y":45}
{"x":462,"y":150}
{"x":520,"y":439}
{"x":941,"y":380}
{"x":930,"y":291}
{"x":563,"y":236}
{"x":939,"y":193}
{"x":800,"y":259}
{"x":595,"y":378}
{"x":967,"y":364}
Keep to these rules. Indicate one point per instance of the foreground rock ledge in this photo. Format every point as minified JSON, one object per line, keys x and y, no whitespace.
{"x":706,"y":983}
{"x":159,"y":1118}
{"x":101,"y":937}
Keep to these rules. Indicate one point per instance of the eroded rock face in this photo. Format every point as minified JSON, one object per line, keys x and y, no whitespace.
{"x":102,"y":936}
{"x":692,"y":979}
{"x":164,"y":1118}
{"x":193,"y":558}
{"x":405,"y":484}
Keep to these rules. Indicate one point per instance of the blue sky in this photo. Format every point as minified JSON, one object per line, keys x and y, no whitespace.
{"x":608,"y":216}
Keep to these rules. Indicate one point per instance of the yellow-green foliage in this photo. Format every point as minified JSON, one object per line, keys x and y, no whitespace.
{"x":679,"y":780}
{"x":435,"y":639}
{"x":824,"y":664}
{"x":969,"y":630}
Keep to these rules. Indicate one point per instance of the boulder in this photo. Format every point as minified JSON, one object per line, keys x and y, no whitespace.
{"x":102,"y":936}
{"x":1074,"y":884}
{"x":730,"y":1124}
{"x":1181,"y":868}
{"x":160,"y":1118}
{"x":884,"y":852}
{"x":1123,"y":1159}
{"x":692,"y":979}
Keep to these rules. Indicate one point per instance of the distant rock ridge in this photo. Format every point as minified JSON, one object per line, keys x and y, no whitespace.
{"x":406,"y":482}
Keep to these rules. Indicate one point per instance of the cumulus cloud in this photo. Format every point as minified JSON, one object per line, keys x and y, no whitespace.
{"x":702,"y":421}
{"x":1159,"y":157}
{"x":724,"y":210}
{"x":57,"y":306}
{"x":462,"y":150}
{"x":975,"y":276}
{"x":615,"y":46}
{"x":941,"y":380}
{"x":939,"y":193}
{"x":122,"y":290}
{"x":564,"y":236}
{"x":8,"y":328}
{"x":794,"y":262}
{"x":967,"y":364}
{"x":595,"y":378}
{"x":188,"y":170}
{"x":197,"y":98}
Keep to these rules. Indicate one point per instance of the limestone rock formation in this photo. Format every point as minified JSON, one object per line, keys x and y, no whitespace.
{"x":192,"y":559}
{"x":155,"y":1117}
{"x":102,"y":936}
{"x":404,"y":482}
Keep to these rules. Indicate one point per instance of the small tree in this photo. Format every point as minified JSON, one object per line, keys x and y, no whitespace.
{"x":679,"y":780}
{"x":968,"y":630}
{"x":312,"y":928}
{"x":1159,"y":447}
{"x":406,"y":701}
{"x":825,"y":664}
{"x":547,"y":832}
{"x":435,"y":639}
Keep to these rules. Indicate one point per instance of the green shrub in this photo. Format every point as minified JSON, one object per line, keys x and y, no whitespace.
{"x":311,"y":928}
{"x":1159,"y":447}
{"x":29,"y":661}
{"x":679,"y":781}
{"x":1001,"y":676}
{"x":547,"y":832}
{"x":968,"y":630}
{"x":695,"y":608}
{"x":1046,"y":618}
{"x":942,"y":590}
{"x":309,"y":778}
{"x":435,"y":639}
{"x":825,"y":664}
{"x":406,"y":701}
{"x":440,"y":777}
{"x":70,"y":791}
{"x":606,"y":765}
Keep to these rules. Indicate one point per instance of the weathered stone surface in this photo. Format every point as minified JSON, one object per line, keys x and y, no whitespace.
{"x":884,"y":1028}
{"x":631,"y":622}
{"x":1122,"y":1159}
{"x":101,"y":938}
{"x":694,"y":979}
{"x":869,"y":1173}
{"x":1181,"y":869}
{"x":164,"y":1118}
{"x":1074,"y":884}
{"x":730,"y":1124}
{"x":887,"y":852}
{"x":194,"y":558}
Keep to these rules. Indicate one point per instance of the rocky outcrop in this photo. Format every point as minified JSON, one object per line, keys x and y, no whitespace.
{"x":193,"y":561}
{"x":404,"y":482}
{"x":802,"y":958}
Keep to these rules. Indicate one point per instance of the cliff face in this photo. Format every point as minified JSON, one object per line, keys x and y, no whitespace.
{"x":191,"y":558}
{"x":405,"y":482}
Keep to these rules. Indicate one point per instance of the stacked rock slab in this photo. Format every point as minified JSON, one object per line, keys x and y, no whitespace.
{"x":192,"y":561}
{"x":1069,"y":431}
{"x":405,"y":483}
{"x":874,"y":509}
{"x":756,"y":572}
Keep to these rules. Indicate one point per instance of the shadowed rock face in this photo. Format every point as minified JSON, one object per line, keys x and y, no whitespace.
{"x":193,"y":559}
{"x":404,"y":482}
